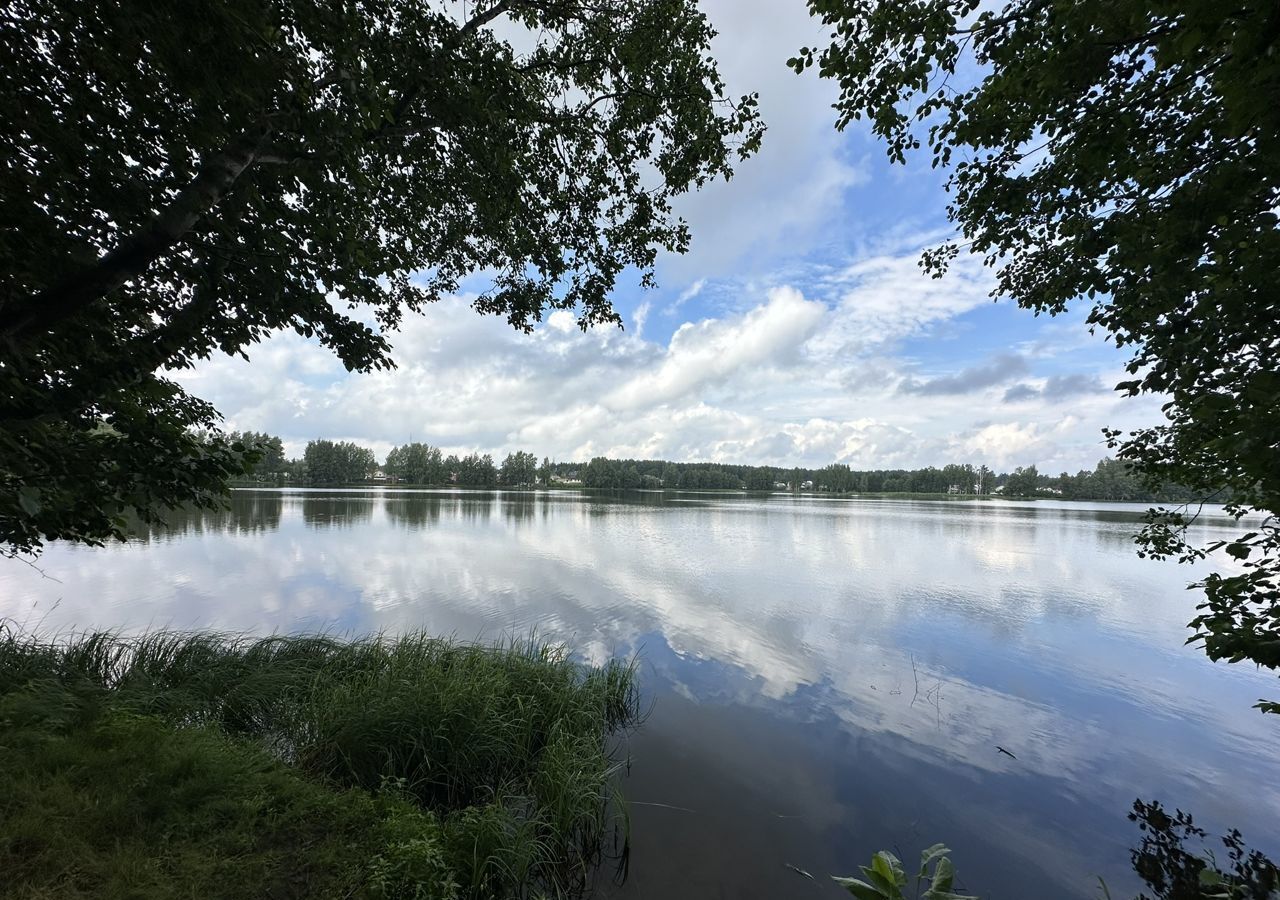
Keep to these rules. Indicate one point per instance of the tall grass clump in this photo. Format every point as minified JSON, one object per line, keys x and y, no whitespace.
{"x":504,"y":755}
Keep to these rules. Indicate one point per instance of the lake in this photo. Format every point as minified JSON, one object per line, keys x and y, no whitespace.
{"x":828,"y":677}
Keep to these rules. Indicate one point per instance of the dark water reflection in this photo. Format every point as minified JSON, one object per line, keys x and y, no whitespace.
{"x":829,"y":677}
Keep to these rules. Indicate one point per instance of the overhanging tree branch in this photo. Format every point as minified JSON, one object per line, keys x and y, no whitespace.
{"x":135,"y":253}
{"x":217,"y":175}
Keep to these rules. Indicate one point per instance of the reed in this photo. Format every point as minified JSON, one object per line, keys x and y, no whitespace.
{"x":504,"y":753}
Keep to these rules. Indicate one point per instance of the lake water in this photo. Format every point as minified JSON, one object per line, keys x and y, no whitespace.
{"x":828,"y":677}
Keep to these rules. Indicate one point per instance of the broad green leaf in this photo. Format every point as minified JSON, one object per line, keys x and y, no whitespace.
{"x":889,"y":867}
{"x":860,"y":889}
{"x":943,"y":876}
{"x":883,"y":883}
{"x":930,"y":854}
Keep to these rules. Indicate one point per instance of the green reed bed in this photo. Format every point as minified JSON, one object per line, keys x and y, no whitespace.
{"x":173,"y":765}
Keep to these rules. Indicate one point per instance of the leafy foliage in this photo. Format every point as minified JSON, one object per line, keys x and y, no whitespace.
{"x":886,"y":879}
{"x":1109,"y":480}
{"x":519,"y":468}
{"x":472,"y":470}
{"x":268,"y":459}
{"x":612,"y":474}
{"x":1175,"y":871}
{"x":1022,"y":482}
{"x":1126,"y":153}
{"x":417,"y":463}
{"x":341,"y":462}
{"x":181,"y":181}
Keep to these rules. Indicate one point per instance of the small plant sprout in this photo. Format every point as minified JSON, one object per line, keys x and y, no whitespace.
{"x":886,"y":879}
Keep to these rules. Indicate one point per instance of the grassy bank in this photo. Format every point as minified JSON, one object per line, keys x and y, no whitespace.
{"x":195,"y":765}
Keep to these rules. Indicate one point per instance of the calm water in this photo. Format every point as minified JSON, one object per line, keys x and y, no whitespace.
{"x":829,"y":677}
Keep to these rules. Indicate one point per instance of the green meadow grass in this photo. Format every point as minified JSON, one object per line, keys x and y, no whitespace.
{"x":185,"y":765}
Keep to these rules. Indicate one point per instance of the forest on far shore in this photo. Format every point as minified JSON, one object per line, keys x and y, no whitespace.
{"x":327,"y":462}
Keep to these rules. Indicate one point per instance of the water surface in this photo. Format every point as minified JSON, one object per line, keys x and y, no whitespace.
{"x":828,"y":677}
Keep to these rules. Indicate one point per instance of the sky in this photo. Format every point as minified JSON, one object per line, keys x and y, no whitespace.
{"x":798,"y":330}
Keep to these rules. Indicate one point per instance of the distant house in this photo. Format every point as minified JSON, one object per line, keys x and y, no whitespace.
{"x":378,"y":475}
{"x":806,"y":485}
{"x":780,"y":485}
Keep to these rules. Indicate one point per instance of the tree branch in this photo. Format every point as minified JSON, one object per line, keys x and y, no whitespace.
{"x":479,"y":20}
{"x":994,"y":22}
{"x":411,"y":94}
{"x":136,"y":252}
{"x":217,"y":175}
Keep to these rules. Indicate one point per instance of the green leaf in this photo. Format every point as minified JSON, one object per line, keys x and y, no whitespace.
{"x":883,"y":883}
{"x":860,"y":889}
{"x":943,"y":875}
{"x":889,"y":867}
{"x":930,"y":854}
{"x":1210,"y":877}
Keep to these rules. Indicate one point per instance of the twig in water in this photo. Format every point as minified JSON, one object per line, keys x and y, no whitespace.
{"x":662,"y":806}
{"x":27,"y":562}
{"x":1005,"y":752}
{"x":916,"y":676}
{"x":798,"y":871}
{"x":933,"y":696}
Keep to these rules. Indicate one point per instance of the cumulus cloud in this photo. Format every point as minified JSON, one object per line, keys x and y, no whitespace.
{"x":795,"y":377}
{"x":1004,"y":442}
{"x":709,"y":351}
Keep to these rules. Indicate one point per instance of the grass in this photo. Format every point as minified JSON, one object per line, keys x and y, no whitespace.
{"x":202,"y":765}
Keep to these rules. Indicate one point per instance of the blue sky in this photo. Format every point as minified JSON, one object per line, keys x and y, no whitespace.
{"x":798,"y":330}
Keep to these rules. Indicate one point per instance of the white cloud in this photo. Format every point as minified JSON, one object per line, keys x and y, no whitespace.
{"x":714,"y":349}
{"x":887,"y":297}
{"x":1004,"y":442}
{"x":783,"y":197}
{"x":686,"y":295}
{"x":640,"y":316}
{"x":793,"y":379}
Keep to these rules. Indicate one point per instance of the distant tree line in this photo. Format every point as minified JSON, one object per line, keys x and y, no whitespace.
{"x":269,"y":460}
{"x":418,"y":463}
{"x":327,"y":462}
{"x":1109,"y":480}
{"x":330,"y":462}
